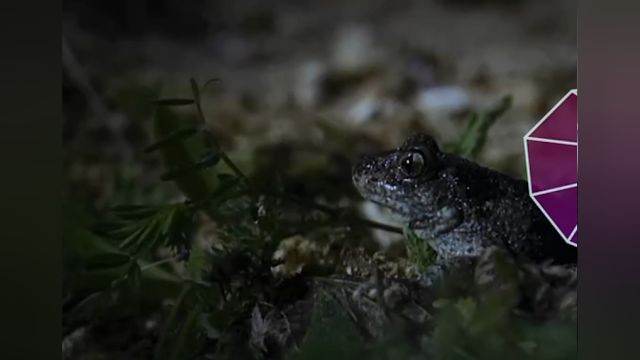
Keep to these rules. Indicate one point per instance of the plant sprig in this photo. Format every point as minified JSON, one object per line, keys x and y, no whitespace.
{"x":474,"y":135}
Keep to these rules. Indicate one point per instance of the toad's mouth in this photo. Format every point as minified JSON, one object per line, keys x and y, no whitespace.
{"x":395,"y":210}
{"x":383,"y":197}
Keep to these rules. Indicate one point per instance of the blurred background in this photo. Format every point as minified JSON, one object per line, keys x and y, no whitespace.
{"x":321,"y":76}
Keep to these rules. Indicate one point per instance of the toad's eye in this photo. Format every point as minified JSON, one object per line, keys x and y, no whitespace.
{"x":412,"y":164}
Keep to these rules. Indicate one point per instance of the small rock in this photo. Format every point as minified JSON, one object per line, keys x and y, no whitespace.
{"x":364,"y":109}
{"x":446,"y":100}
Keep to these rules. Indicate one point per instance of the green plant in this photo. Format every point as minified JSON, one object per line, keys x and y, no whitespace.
{"x":419,"y":250}
{"x":473,"y":136}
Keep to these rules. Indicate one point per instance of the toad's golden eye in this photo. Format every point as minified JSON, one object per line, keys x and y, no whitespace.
{"x":412,"y":164}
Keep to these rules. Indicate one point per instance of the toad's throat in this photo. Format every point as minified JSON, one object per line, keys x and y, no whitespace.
{"x":398,"y":209}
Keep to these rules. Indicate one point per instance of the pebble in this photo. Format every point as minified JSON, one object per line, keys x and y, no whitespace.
{"x":364,"y":109}
{"x":442,"y":100}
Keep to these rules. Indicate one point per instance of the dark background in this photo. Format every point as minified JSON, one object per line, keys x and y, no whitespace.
{"x":374,"y":71}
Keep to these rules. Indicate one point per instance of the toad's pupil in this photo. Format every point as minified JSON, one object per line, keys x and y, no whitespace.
{"x":412,"y":164}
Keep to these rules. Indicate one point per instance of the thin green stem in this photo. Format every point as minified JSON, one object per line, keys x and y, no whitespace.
{"x":233,"y":166}
{"x":223,"y":155}
{"x":157,"y":263}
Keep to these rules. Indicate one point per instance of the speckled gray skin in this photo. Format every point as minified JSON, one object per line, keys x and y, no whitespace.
{"x":460,"y":206}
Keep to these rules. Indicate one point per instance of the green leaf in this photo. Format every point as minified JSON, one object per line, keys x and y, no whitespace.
{"x":169,"y":221}
{"x":209,"y":160}
{"x":174,"y":102}
{"x":179,"y":234}
{"x":171,"y":138}
{"x":150,"y":228}
{"x":181,"y":158}
{"x":134,"y":238}
{"x":178,"y":173}
{"x":419,"y":250}
{"x":197,"y":262}
{"x":79,"y":241}
{"x":210,"y":139}
{"x":473,"y":137}
{"x":224,"y":178}
{"x":107,"y":261}
{"x":133,"y":211}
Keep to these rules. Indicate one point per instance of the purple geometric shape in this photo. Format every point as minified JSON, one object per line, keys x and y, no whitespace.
{"x":551,"y":149}
{"x":562,"y":208}
{"x":551,"y":165}
{"x":561,"y":122}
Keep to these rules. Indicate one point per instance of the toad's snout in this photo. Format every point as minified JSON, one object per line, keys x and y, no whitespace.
{"x":364,"y":165}
{"x":366,"y":173}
